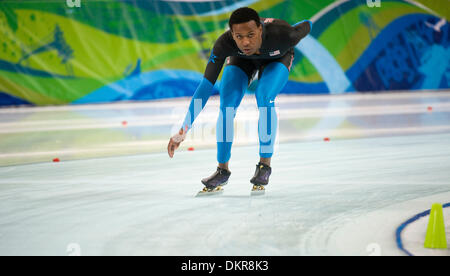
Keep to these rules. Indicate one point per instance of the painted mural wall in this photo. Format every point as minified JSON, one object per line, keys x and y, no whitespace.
{"x":81,"y":51}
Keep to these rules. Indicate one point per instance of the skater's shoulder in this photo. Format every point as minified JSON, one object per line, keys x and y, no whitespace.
{"x":275,"y":25}
{"x":276,"y":30}
{"x":225,"y":38}
{"x":274,"y":22}
{"x":225,"y":42}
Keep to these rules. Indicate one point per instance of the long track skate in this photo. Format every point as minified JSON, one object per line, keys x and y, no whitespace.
{"x":258,"y":190}
{"x":210,"y":192}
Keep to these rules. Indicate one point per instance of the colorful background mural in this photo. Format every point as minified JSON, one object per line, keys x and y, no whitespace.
{"x":53,"y":52}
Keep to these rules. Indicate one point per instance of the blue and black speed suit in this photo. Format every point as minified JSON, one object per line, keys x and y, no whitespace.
{"x":273,"y":64}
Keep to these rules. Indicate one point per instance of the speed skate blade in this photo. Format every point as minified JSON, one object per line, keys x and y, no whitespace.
{"x":207,"y":192}
{"x":257,"y":191}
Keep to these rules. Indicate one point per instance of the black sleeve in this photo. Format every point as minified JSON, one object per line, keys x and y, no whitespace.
{"x":299,"y":31}
{"x":219,"y":53}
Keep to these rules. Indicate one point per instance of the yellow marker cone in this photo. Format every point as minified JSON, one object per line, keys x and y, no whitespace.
{"x":435,"y":237}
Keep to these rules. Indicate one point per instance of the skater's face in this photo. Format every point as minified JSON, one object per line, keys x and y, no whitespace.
{"x":248,"y":37}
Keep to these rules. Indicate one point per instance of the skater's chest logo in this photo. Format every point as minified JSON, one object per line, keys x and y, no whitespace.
{"x":274,"y":53}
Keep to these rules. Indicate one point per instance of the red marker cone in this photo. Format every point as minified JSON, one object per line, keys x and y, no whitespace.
{"x":326,"y":139}
{"x":124,"y":123}
{"x":55,"y":160}
{"x":190,"y":149}
{"x":430,"y":108}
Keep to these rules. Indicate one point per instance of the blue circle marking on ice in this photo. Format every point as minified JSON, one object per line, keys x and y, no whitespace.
{"x":400,"y":229}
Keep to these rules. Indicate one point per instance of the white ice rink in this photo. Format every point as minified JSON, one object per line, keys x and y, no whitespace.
{"x":115,"y":191}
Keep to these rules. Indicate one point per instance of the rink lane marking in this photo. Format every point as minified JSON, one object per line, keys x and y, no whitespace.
{"x":181,"y":102}
{"x":162,"y":120}
{"x":406,"y":223}
{"x":108,"y":148}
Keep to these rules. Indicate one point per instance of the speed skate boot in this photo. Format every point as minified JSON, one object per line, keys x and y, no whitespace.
{"x":214,"y":183}
{"x":260,"y":179}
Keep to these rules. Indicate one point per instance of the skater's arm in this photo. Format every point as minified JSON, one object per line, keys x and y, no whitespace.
{"x":299,"y":31}
{"x":219,"y":52}
{"x":175,"y":141}
{"x":202,"y":93}
{"x":198,"y":102}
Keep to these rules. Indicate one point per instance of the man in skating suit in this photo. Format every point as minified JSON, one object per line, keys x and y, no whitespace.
{"x":253,"y":44}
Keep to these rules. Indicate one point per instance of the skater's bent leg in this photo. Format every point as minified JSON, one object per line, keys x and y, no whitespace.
{"x":233,"y":85}
{"x":267,"y":130}
{"x":272,"y":81}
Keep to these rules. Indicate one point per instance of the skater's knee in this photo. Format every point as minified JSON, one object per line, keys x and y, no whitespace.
{"x":265,"y":99}
{"x":265,"y":102}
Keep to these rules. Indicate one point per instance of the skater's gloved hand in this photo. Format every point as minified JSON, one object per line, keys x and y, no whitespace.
{"x":175,"y":141}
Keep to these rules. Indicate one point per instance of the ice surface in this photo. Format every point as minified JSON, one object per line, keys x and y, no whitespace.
{"x":342,"y":197}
